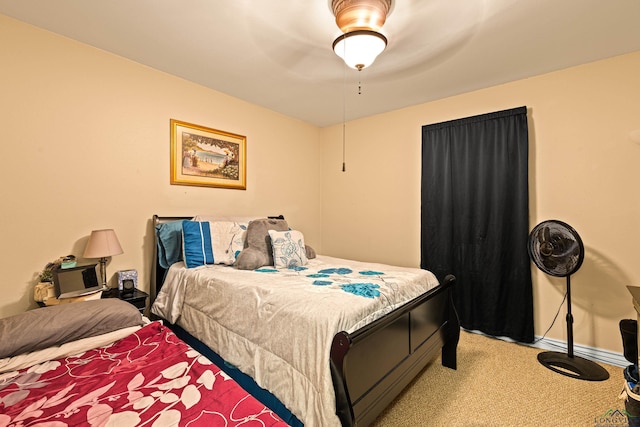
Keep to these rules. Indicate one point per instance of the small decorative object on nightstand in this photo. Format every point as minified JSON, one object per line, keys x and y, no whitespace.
{"x":127,"y":288}
{"x":136,"y":298}
{"x":127,"y":282}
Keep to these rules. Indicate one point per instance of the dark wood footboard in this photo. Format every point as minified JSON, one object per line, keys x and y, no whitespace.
{"x":371,"y":366}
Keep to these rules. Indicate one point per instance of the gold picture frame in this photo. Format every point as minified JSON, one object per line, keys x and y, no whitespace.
{"x":206,"y":157}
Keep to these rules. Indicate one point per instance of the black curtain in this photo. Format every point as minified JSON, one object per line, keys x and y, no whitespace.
{"x":475,"y":218}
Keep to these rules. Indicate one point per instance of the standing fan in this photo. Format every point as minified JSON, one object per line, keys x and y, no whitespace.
{"x":556,"y":248}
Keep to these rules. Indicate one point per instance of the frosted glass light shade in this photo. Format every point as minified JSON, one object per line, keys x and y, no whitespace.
{"x":359,"y":48}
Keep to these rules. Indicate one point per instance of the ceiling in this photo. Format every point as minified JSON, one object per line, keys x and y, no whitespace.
{"x":277,"y":53}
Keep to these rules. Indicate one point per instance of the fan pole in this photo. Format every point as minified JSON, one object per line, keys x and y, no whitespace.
{"x":568,"y":364}
{"x":569,"y":320}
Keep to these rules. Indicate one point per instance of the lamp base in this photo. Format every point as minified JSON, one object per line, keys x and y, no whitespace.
{"x":103,"y":273}
{"x":573,"y":366}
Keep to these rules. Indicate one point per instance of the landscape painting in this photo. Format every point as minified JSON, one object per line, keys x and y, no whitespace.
{"x":207,"y":157}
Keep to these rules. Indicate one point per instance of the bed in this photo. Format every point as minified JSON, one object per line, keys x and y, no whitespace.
{"x":341,"y":368}
{"x":100,"y":363}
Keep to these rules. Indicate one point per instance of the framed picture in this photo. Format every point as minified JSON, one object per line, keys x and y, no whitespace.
{"x":207,"y":157}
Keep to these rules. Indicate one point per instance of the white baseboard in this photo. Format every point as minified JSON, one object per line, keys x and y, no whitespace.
{"x":591,"y":353}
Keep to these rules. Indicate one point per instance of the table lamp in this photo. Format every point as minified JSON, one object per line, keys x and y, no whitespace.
{"x":103,"y":244}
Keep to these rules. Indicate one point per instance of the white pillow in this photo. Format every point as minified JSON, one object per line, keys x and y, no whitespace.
{"x":288,"y":248}
{"x":228,"y":240}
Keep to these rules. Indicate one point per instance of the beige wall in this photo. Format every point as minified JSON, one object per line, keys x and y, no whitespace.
{"x":85,"y":145}
{"x":583,"y":170}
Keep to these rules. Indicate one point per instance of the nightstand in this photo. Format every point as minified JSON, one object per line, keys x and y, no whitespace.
{"x":137,"y":298}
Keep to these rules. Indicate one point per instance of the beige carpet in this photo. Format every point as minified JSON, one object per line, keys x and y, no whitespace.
{"x":499,"y":383}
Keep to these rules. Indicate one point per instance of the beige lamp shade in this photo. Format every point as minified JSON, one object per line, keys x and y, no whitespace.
{"x":102,"y":244}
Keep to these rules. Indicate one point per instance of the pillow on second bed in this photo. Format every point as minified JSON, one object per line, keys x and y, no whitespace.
{"x":55,"y":325}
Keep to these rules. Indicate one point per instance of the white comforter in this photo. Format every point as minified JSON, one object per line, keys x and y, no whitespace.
{"x":277,"y":325}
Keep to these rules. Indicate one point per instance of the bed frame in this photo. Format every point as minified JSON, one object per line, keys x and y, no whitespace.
{"x":371,"y":366}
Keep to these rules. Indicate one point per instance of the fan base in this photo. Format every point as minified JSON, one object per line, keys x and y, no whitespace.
{"x":574,"y":367}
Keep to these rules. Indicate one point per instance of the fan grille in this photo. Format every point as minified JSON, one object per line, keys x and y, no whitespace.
{"x":556,"y":248}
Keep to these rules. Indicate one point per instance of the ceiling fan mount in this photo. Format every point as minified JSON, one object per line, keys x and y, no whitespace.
{"x":354,"y":15}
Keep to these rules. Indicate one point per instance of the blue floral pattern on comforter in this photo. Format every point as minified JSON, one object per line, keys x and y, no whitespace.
{"x":342,"y":278}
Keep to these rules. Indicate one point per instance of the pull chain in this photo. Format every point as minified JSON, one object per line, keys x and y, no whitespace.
{"x":344,"y":164}
{"x":344,"y":113}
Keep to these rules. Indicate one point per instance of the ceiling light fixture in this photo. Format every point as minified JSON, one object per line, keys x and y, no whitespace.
{"x":360,"y":21}
{"x":359,"y":48}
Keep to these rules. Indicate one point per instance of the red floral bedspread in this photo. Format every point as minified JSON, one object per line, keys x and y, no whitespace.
{"x":149,"y":378}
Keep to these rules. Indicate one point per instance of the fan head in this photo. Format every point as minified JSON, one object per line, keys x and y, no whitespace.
{"x":556,"y":248}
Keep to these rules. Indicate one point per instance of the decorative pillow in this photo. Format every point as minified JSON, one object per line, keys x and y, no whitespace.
{"x":169,"y":243}
{"x":228,"y":240}
{"x":212,"y":242}
{"x":55,"y":325}
{"x":196,"y":243}
{"x":258,"y":252}
{"x":288,"y":248}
